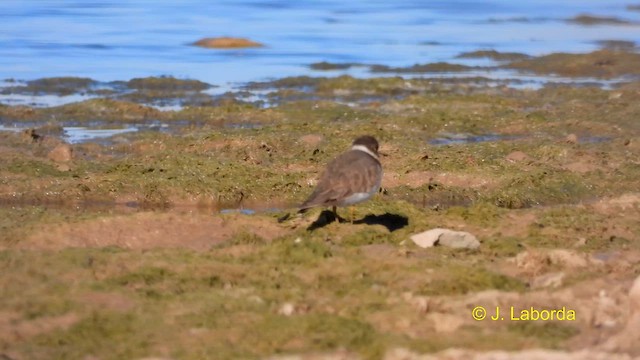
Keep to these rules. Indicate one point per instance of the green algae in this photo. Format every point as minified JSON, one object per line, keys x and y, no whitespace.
{"x":550,"y":334}
{"x":542,"y":187}
{"x":96,"y":334}
{"x":460,"y":279}
{"x":480,"y":213}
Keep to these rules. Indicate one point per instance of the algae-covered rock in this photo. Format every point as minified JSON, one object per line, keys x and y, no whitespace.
{"x":494,"y":55}
{"x":599,"y":64}
{"x":422,"y":68}
{"x":323,"y":65}
{"x":166,"y":83}
{"x":590,"y":20}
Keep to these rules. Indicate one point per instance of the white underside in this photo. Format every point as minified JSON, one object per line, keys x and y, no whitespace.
{"x":358,"y":197}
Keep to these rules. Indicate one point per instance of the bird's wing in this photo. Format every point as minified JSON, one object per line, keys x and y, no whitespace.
{"x":344,"y":176}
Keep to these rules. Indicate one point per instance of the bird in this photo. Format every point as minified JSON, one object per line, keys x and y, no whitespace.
{"x":351,"y":178}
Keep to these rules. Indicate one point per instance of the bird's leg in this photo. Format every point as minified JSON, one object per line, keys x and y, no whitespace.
{"x":352,"y":209}
{"x":335,"y":213}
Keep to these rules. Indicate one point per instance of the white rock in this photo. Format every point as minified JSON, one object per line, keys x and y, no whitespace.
{"x":287,"y":309}
{"x":445,"y":237}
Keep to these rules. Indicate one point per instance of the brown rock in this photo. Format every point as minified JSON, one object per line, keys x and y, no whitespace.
{"x":517,"y":156}
{"x":62,"y":153}
{"x":571,"y":139}
{"x":63,"y":167}
{"x":312,"y":140}
{"x":445,"y":323}
{"x":553,"y":280}
{"x":226,"y":43}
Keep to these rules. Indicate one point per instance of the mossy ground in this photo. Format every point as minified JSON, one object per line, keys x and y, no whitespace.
{"x":360,"y":287}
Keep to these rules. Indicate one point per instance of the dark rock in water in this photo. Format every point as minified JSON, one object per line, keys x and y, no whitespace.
{"x":422,"y":68}
{"x":323,"y":65}
{"x":492,"y":54}
{"x":166,"y":83}
{"x":585,"y":19}
{"x":617,"y":45}
{"x":226,"y":43}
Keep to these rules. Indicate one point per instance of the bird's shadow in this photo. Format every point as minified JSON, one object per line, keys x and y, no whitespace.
{"x":392,"y":222}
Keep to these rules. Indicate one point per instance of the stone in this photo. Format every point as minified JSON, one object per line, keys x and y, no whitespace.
{"x":63,"y":167}
{"x":445,"y":323}
{"x":287,"y":309}
{"x":226,"y":43}
{"x":311,"y":140}
{"x":518,"y":156}
{"x":553,"y":280}
{"x":445,"y":237}
{"x":568,"y":258}
{"x":571,"y":139}
{"x":536,"y":260}
{"x":62,"y":153}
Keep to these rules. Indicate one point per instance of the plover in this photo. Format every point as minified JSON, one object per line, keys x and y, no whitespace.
{"x":350,"y":178}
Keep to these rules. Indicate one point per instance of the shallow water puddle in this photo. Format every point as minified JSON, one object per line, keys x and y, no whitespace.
{"x":111,"y":206}
{"x":43,"y":100}
{"x":452,"y":139}
{"x":97,"y":131}
{"x":79,"y":134}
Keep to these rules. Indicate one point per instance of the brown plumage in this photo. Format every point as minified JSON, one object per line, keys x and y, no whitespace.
{"x":350,"y":178}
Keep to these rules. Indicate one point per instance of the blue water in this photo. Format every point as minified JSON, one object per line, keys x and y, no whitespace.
{"x":122,"y":39}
